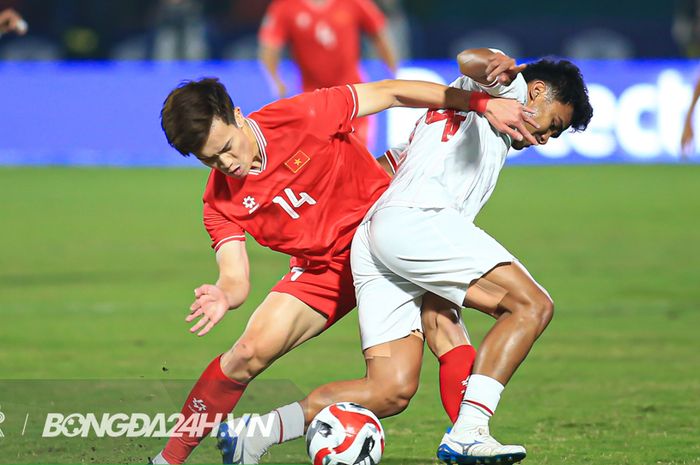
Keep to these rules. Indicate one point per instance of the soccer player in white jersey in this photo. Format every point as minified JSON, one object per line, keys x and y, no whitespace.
{"x":419,"y":240}
{"x":420,"y":237}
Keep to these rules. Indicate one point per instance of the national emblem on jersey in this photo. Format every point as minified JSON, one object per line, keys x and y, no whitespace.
{"x":297,"y":162}
{"x":250,"y":203}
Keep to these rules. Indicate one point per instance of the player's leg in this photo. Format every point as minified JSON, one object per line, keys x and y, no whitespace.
{"x":389,"y":314}
{"x":391,"y":380}
{"x":448,"y":339}
{"x":393,"y":371}
{"x":280,"y":323}
{"x":443,"y":253}
{"x":523,"y":310}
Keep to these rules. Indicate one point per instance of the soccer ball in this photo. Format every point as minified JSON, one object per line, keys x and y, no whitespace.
{"x":345,"y":434}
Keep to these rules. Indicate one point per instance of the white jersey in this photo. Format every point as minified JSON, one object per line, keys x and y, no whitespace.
{"x":453,"y":158}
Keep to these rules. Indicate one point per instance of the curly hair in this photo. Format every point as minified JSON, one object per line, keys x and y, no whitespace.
{"x":567,"y":86}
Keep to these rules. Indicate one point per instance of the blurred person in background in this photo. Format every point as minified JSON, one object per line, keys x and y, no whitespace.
{"x":11,"y":21}
{"x":688,"y":136}
{"x":686,"y":27}
{"x":179,"y":32}
{"x":324,"y":36}
{"x":686,"y":31}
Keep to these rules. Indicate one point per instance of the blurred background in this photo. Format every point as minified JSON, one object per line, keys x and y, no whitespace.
{"x":101,"y":247}
{"x":85,"y":56}
{"x":226,"y":29}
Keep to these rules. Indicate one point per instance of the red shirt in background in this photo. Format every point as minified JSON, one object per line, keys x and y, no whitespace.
{"x":324,"y":38}
{"x":316,"y":183}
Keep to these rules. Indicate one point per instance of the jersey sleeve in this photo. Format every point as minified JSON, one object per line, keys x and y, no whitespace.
{"x":371,"y":18}
{"x":395,"y":155}
{"x":516,"y":90}
{"x":273,"y":30}
{"x":323,"y":112}
{"x":221,"y":229}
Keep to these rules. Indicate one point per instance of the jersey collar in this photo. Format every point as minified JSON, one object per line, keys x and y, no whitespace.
{"x":262,"y":144}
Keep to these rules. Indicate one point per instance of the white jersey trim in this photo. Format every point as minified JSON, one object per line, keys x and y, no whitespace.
{"x":228,"y":239}
{"x":355,"y":106}
{"x":262,"y":143}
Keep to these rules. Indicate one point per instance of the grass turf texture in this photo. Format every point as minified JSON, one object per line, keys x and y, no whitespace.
{"x":98,"y":266}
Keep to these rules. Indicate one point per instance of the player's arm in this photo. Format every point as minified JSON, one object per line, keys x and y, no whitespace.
{"x":270,"y":56}
{"x":212,"y":301}
{"x":687,"y":136}
{"x":488,"y":66}
{"x":506,"y":115}
{"x":385,"y":51}
{"x":272,"y":37}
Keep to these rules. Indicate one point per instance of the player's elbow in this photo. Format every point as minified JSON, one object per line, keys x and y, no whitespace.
{"x":472,"y":61}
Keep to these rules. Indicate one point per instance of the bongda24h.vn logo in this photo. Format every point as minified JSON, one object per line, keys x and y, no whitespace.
{"x":159,"y":425}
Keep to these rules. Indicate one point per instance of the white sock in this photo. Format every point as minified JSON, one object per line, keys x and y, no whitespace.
{"x":159,"y":460}
{"x":479,"y":403}
{"x":287,"y":424}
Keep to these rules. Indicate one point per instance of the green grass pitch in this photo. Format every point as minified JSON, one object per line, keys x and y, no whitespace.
{"x":98,"y":266}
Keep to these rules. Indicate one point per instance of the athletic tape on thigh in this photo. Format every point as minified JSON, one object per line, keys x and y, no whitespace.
{"x":487,"y":293}
{"x":384,"y":350}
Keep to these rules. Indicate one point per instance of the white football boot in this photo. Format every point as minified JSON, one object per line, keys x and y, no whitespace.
{"x":234,"y":443}
{"x":477,"y":446}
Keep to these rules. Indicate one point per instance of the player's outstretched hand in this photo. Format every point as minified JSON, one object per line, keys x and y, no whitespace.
{"x":509,"y":117}
{"x":502,"y":68}
{"x":210,"y":303}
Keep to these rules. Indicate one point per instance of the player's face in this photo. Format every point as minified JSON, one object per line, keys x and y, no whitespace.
{"x":229,"y":148}
{"x":553,"y":116}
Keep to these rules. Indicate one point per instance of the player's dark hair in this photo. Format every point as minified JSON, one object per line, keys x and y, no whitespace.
{"x":567,"y":87}
{"x":189,"y":110}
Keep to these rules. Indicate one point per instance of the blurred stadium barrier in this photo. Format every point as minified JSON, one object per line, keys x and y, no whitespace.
{"x":108,"y":113}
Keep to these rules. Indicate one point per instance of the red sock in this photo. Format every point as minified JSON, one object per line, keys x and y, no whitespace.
{"x":213,"y":393}
{"x":455,"y":367}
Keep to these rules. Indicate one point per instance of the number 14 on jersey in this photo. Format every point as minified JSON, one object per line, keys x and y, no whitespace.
{"x":295,"y":202}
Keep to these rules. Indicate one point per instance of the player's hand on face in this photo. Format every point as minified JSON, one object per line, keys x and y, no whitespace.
{"x":687,"y":140}
{"x":509,"y":117}
{"x":502,"y":68}
{"x":210,"y":305}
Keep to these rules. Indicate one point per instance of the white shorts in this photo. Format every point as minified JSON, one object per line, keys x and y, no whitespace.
{"x":403,"y":252}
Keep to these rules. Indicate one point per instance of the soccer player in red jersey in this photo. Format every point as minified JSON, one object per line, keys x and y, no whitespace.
{"x":324,"y":37}
{"x":295,"y":178}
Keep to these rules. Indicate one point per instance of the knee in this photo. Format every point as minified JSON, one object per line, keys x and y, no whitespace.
{"x":397,"y":394}
{"x":537,"y":309}
{"x":246,"y":359}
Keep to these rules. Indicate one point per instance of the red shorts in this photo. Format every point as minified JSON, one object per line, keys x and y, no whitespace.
{"x":329,"y":291}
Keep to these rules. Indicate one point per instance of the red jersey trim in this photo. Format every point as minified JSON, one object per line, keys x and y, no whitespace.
{"x":355,"y":106}
{"x":262,"y":143}
{"x":392,"y":161}
{"x":228,"y":239}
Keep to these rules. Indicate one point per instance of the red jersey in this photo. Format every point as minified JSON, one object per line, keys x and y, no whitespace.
{"x":325,"y":39}
{"x":315,"y":184}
